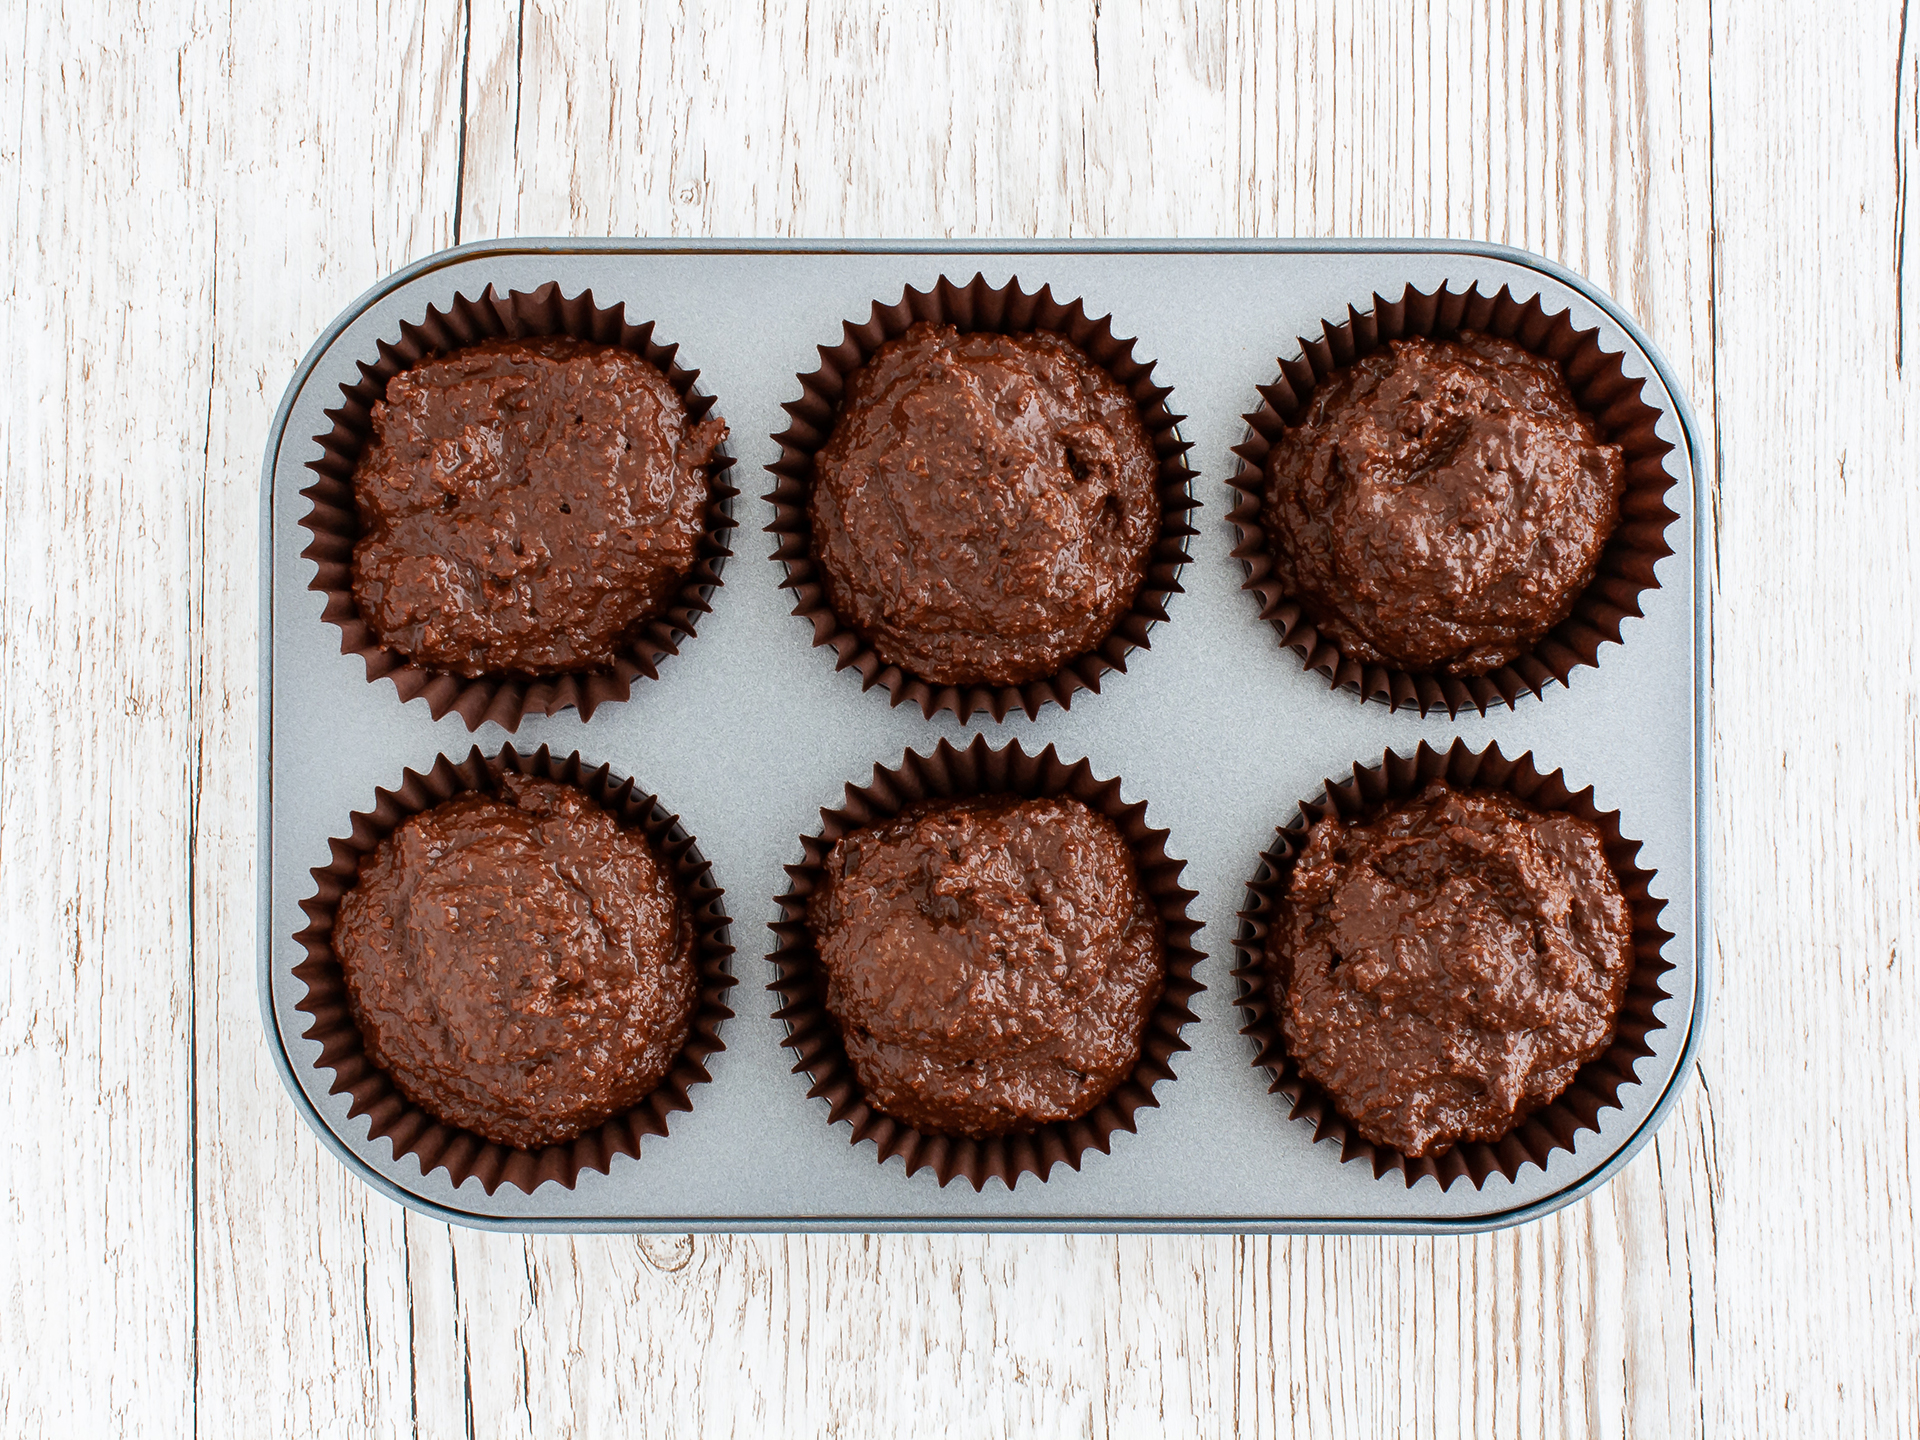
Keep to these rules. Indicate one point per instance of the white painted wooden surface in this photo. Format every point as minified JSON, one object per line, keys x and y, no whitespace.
{"x":196,"y":189}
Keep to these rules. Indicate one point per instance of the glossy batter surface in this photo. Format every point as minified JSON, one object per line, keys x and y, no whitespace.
{"x":991,"y":962}
{"x":1453,"y":964}
{"x":525,"y":503}
{"x":985,"y":506}
{"x":1442,"y":504}
{"x":520,"y":964}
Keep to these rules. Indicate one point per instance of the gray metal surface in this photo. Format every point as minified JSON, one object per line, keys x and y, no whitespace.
{"x":750,"y":730}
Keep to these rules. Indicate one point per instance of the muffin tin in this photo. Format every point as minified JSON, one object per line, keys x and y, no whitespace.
{"x":750,"y":731}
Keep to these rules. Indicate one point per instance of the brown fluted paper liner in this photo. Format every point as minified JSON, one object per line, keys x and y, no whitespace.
{"x":1007,"y":309}
{"x":1602,"y":390}
{"x":1596,"y":1087}
{"x":413,"y":1131}
{"x":335,"y":525}
{"x":814,"y":1037}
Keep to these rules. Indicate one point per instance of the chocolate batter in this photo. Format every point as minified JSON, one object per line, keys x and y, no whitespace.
{"x":524,"y":504}
{"x":1442,"y":504}
{"x":1453,"y":963}
{"x":519,"y":964}
{"x":991,"y":962}
{"x":984,"y":508}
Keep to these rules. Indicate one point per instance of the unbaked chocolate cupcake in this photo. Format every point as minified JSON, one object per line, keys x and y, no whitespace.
{"x":984,"y":509}
{"x":1451,"y":964}
{"x":520,"y":508}
{"x":985,"y":962}
{"x":524,"y":504}
{"x":991,"y":962}
{"x":1441,"y":503}
{"x":516,"y":967}
{"x":981,"y":500}
{"x":1452,"y":500}
{"x":519,"y":963}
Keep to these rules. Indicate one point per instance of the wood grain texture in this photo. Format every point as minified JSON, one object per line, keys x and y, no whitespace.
{"x":198,"y":190}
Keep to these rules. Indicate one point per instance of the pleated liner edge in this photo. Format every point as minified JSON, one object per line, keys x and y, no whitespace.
{"x":1595,"y":1088}
{"x":1007,"y":309}
{"x":334,"y":523}
{"x":949,"y":773}
{"x":412,"y":1130}
{"x":1602,"y":389}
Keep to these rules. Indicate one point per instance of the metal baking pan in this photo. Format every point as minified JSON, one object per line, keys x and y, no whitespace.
{"x":750,"y":731}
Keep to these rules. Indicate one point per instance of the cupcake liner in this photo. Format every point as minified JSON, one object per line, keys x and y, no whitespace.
{"x":1007,"y":309}
{"x":1596,"y":1087}
{"x":462,"y":1153}
{"x":1602,"y":390}
{"x":814,"y":1037}
{"x":335,"y":525}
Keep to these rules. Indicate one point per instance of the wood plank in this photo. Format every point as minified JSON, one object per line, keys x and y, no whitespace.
{"x":1816,"y":1065}
{"x":97,"y":795}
